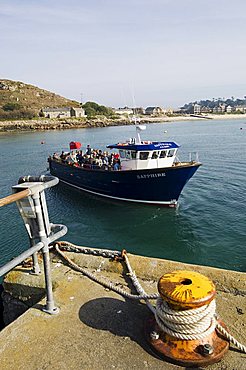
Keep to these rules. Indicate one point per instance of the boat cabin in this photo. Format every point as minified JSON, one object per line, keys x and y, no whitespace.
{"x":136,"y":154}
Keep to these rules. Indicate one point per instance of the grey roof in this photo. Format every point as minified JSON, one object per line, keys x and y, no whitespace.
{"x":65,"y":109}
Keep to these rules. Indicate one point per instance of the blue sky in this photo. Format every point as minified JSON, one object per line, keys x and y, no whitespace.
{"x":126,"y":52}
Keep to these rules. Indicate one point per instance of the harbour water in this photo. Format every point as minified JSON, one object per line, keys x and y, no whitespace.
{"x":208,"y":227}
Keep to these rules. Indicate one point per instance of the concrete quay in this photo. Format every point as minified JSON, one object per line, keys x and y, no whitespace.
{"x":98,"y":329}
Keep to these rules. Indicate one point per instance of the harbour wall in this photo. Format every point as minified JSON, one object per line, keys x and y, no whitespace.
{"x":96,"y":328}
{"x":21,"y":291}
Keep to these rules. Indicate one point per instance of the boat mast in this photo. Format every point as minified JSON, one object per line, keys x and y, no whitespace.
{"x":138,"y":129}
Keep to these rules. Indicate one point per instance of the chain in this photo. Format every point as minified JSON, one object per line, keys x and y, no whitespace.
{"x":93,"y":277}
{"x":162,"y":309}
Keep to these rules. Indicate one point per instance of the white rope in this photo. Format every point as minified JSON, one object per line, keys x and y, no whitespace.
{"x":137,"y":285}
{"x":187,"y":324}
{"x":230,"y":338}
{"x":191,"y":324}
{"x":105,"y":283}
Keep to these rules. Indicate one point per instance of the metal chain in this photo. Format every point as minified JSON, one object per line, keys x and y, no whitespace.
{"x":95,"y":252}
{"x":105,"y":283}
{"x":179,"y":315}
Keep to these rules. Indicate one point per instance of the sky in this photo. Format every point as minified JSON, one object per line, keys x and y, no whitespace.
{"x":126,"y":52}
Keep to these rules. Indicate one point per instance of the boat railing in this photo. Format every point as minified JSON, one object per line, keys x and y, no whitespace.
{"x":29,"y":196}
{"x":177,"y":161}
{"x":87,"y":166}
{"x":193,"y":157}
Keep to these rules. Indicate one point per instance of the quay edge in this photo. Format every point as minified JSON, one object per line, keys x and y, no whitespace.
{"x":98,"y":329}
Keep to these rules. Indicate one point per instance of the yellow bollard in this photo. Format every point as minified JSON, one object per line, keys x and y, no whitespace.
{"x":183,"y":331}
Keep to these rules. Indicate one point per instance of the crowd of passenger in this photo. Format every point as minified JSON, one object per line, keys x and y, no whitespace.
{"x":91,"y":158}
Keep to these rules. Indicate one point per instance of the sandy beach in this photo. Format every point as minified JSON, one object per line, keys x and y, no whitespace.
{"x":194,"y":118}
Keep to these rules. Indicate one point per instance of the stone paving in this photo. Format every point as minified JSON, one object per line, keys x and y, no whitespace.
{"x":98,"y":329}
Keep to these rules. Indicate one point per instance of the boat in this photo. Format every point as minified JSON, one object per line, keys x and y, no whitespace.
{"x":142,"y":171}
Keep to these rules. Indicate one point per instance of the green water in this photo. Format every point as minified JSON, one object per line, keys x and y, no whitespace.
{"x":208,"y":228}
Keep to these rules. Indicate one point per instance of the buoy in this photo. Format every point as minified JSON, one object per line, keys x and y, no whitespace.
{"x":42,"y":142}
{"x":183,"y":329}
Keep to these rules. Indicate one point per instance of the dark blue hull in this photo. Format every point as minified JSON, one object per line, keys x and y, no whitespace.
{"x":155,"y":186}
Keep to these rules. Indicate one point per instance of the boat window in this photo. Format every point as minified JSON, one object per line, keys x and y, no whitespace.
{"x":144,"y":155}
{"x":128,"y":154}
{"x":122,"y":153}
{"x":134,"y":154}
{"x":163,"y":154}
{"x":154,"y":155}
{"x":171,"y":153}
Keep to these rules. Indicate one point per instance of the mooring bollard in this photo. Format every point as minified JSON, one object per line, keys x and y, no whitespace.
{"x":183,"y":329}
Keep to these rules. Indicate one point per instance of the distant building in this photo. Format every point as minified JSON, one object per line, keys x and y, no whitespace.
{"x":167,"y":110}
{"x":138,"y":110}
{"x":154,"y":111}
{"x":124,"y":110}
{"x":197,"y":109}
{"x":206,"y":109}
{"x":77,"y":112}
{"x":228,"y":109}
{"x":63,"y":112}
{"x":240,"y":108}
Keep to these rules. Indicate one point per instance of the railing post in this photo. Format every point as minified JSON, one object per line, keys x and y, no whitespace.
{"x":50,"y":304}
{"x":35,"y":265}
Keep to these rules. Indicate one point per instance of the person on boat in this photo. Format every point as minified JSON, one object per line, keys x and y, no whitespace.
{"x":73,"y":157}
{"x":116,"y":165}
{"x":104,"y":161}
{"x":62,"y":156}
{"x":88,"y":150}
{"x":56,"y":156}
{"x":80,"y":158}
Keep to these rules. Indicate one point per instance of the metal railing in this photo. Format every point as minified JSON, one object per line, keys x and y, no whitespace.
{"x":193,"y":157}
{"x":30,"y":198}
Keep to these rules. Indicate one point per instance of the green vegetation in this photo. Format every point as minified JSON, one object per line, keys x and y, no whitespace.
{"x":17,"y":113}
{"x":22,"y":101}
{"x":215,"y":103}
{"x":11,"y":107}
{"x":93,"y":110}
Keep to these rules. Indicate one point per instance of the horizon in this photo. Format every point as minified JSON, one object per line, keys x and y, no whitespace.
{"x":126,"y":53}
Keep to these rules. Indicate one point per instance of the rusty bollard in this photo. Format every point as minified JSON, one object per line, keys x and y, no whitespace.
{"x":183,"y":331}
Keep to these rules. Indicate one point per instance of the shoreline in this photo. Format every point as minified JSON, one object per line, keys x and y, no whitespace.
{"x":71,"y":123}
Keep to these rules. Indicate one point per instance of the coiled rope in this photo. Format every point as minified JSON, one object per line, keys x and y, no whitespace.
{"x":185,"y":324}
{"x":191,"y":324}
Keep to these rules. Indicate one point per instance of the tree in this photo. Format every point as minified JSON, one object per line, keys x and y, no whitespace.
{"x":93,"y":109}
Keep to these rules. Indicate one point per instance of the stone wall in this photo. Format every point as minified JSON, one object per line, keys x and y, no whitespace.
{"x":57,"y":124}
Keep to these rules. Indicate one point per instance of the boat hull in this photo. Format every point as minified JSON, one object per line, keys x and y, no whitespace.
{"x":155,"y":186}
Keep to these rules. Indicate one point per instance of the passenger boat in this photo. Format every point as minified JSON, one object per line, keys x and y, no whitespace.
{"x":150,"y":172}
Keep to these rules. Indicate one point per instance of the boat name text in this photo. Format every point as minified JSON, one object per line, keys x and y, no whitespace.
{"x":150,"y":175}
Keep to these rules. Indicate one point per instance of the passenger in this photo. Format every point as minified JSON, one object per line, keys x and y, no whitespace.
{"x":88,"y":150}
{"x":56,"y":156}
{"x":63,"y":156}
{"x":80,"y":158}
{"x":100,"y":162}
{"x":116,"y":165}
{"x":73,"y":157}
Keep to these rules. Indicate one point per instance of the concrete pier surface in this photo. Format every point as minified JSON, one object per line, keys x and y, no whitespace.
{"x":97,"y":328}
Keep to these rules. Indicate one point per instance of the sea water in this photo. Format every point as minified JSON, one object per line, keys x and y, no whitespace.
{"x":208,"y":227}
